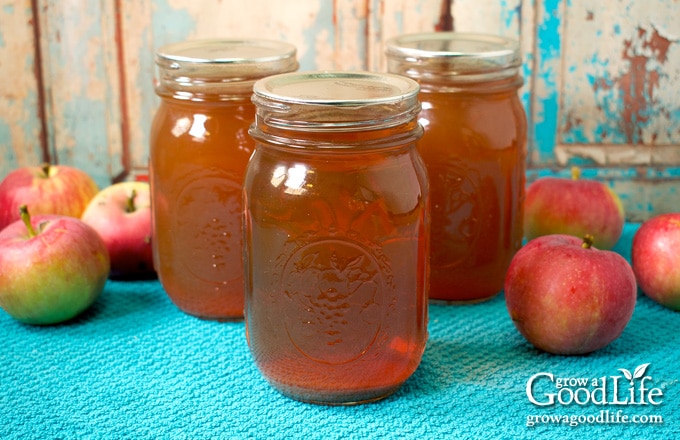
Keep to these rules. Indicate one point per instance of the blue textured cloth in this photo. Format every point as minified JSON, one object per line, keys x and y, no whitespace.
{"x":135,"y":367}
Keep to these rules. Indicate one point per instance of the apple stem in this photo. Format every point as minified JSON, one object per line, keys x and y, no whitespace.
{"x":26,"y":218}
{"x":587,"y":241}
{"x":45,"y":169}
{"x":131,"y":202}
{"x":575,"y":173}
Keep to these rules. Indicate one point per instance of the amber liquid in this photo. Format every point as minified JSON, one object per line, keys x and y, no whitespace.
{"x":199,"y":151}
{"x":474,"y":148}
{"x":336,"y":271}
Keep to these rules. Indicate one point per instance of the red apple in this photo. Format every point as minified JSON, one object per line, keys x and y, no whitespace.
{"x":567,"y":297}
{"x":579,"y":207}
{"x":121,"y":214}
{"x":656,"y":259}
{"x":52,"y":268}
{"x":49,"y":189}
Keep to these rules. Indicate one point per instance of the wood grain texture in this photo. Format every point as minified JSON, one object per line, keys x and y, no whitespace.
{"x":80,"y":80}
{"x":605,"y":96}
{"x":21,"y":128}
{"x":601,"y":78}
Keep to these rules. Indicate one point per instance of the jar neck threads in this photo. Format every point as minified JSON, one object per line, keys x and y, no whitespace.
{"x":218,"y":70}
{"x":336,"y":109}
{"x":451,"y":61}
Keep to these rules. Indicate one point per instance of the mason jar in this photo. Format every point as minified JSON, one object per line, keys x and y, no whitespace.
{"x":474,"y":148}
{"x":336,"y":235}
{"x":198,"y":154}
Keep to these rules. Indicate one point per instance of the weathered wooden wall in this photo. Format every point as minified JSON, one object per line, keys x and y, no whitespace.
{"x":602,"y":78}
{"x":606,"y":96}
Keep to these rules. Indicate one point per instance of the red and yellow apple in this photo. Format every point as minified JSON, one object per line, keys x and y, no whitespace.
{"x":52,"y":268}
{"x":47,"y":189}
{"x":655,"y":256}
{"x":567,"y":297}
{"x":575,"y":206}
{"x":121,"y":214}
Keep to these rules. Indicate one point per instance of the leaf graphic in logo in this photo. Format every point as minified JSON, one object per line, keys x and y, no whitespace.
{"x":640,"y":371}
{"x":627,"y":374}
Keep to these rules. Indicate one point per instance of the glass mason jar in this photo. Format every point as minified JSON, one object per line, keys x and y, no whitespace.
{"x":474,"y":147}
{"x":337,"y":228}
{"x":199,"y":150}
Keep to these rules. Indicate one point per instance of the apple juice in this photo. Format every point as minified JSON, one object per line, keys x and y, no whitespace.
{"x":337,"y":228}
{"x":474,"y":148}
{"x":199,"y":151}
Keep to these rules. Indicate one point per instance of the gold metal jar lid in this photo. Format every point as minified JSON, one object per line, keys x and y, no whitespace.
{"x":207,"y":66}
{"x":326,"y":101}
{"x":453,"y":55}
{"x":337,"y":88}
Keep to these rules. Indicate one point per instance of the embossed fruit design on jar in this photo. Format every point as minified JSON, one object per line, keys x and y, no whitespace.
{"x":474,"y":147}
{"x":199,"y":151}
{"x":336,"y":227}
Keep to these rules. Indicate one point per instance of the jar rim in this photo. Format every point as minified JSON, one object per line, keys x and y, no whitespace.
{"x":336,"y":88}
{"x":222,"y":69}
{"x":481,"y":51}
{"x":224,"y":51}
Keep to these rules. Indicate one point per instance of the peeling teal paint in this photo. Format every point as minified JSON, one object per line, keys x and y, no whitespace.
{"x":595,"y":173}
{"x":399,"y":19}
{"x":545,"y":107}
{"x":511,"y":17}
{"x":308,"y":60}
{"x":616,"y":91}
{"x":662,"y":173}
{"x":525,"y":92}
{"x":144,"y":83}
{"x":171,"y":25}
{"x":78,"y":128}
{"x":627,"y":104}
{"x":360,"y":39}
{"x":674,"y":115}
{"x":31,"y":126}
{"x":5,"y":134}
{"x":168,"y":25}
{"x":84,"y":120}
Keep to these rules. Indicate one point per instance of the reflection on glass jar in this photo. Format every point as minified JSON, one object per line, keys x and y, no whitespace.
{"x":474,"y":147}
{"x":336,"y":222}
{"x":199,"y":151}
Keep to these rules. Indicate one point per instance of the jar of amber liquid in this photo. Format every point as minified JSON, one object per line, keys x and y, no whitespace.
{"x":474,"y":147}
{"x":199,"y":151}
{"x":336,"y":222}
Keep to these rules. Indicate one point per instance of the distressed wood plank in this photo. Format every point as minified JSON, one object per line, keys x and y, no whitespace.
{"x":310,"y":26}
{"x":507,"y":18}
{"x":351,"y":29}
{"x":621,"y":70}
{"x":20,"y":118}
{"x":510,"y":18}
{"x":80,"y":77}
{"x":393,"y":17}
{"x":604,"y":98}
{"x":546,"y":76}
{"x":137,"y":71}
{"x":600,"y":86}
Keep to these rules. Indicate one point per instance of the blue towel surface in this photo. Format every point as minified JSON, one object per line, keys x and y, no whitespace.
{"x":135,"y":367}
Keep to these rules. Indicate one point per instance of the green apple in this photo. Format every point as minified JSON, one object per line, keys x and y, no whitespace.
{"x":52,"y":268}
{"x":575,"y":206}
